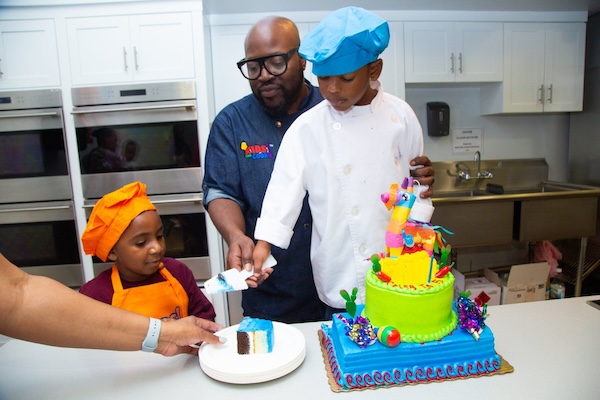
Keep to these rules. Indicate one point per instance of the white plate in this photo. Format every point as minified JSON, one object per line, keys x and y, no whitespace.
{"x":223,"y":363}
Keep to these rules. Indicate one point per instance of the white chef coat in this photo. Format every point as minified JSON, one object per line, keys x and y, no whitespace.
{"x":344,"y":161}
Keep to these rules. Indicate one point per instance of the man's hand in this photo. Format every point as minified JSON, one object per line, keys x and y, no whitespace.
{"x":423,"y":173}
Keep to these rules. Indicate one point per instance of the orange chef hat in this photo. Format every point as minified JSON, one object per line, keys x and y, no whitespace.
{"x":111,"y":215}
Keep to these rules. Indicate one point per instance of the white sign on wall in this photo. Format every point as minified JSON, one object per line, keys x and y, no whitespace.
{"x":467,"y":140}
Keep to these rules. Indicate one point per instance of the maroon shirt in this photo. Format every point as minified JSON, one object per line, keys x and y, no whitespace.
{"x":101,"y":289}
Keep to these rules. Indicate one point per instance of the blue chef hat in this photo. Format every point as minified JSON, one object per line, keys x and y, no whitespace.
{"x":346,"y":40}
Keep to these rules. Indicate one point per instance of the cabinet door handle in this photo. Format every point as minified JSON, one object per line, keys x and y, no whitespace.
{"x":452,"y":62}
{"x":135,"y":58}
{"x":1,"y":73}
{"x":460,"y":63}
{"x":541,"y":91}
{"x":125,"y":58}
{"x":550,"y":94}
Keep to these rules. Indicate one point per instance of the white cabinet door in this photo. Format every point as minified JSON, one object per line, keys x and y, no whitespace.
{"x":429,"y":48}
{"x":28,"y":54}
{"x":564,"y":67}
{"x":163,"y":46}
{"x":453,"y":52}
{"x":523,"y":67}
{"x":543,"y":70}
{"x":227,"y":48}
{"x":478,"y":52}
{"x":392,"y":75}
{"x":99,"y":50}
{"x":123,"y":49}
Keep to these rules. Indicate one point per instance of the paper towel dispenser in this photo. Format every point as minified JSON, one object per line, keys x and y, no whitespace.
{"x":438,"y":119}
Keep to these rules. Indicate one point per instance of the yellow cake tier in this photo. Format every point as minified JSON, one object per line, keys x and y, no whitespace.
{"x":422,"y":312}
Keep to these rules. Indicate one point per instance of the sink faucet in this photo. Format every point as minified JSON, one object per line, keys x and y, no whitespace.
{"x":463,"y":173}
{"x":480,"y":173}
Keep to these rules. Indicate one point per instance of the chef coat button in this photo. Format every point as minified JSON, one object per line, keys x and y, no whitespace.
{"x":355,"y":211}
{"x":347,"y":170}
{"x":278,"y":124}
{"x":361,"y":250}
{"x":337,"y":126}
{"x":394,"y":118}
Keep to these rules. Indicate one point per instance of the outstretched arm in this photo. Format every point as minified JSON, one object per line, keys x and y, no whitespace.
{"x":42,"y":310}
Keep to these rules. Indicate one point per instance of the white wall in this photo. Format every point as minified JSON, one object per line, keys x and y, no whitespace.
{"x":504,"y":136}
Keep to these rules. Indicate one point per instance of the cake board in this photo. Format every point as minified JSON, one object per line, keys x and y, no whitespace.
{"x":505,"y":368}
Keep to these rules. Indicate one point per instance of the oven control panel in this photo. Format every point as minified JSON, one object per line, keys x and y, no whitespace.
{"x":30,"y":99}
{"x":133,"y":93}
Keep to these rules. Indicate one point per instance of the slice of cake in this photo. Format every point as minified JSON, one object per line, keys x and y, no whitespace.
{"x":255,"y":336}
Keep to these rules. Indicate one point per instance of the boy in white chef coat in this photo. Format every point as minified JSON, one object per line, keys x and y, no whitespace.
{"x":344,"y":153}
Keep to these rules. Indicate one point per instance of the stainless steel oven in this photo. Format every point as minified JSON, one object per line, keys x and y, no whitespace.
{"x":33,"y":160}
{"x":147,"y":132}
{"x":37,"y":219}
{"x":41,"y":238}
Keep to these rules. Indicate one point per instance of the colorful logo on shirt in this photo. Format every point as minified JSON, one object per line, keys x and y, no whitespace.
{"x":256,"y":151}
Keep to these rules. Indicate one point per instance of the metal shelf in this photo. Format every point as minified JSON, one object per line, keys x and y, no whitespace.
{"x":570,"y":258}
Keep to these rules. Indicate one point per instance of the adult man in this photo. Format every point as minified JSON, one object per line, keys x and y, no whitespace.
{"x":242,"y":146}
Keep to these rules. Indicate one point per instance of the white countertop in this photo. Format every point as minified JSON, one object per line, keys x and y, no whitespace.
{"x":552,"y":345}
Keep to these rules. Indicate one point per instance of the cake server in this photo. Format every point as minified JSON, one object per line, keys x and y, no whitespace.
{"x":232,"y":279}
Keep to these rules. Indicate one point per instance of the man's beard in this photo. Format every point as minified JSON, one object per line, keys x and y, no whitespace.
{"x":289,"y":97}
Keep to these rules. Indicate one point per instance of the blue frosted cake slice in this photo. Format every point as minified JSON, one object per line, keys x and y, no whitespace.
{"x":255,"y":336}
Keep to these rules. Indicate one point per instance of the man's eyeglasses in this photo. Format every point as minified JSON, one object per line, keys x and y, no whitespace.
{"x":275,"y":64}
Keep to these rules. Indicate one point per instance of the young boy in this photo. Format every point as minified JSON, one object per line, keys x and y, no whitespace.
{"x":344,"y":153}
{"x":125,"y":228}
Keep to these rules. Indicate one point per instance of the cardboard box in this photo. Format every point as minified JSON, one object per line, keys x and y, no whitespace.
{"x":476,"y":286}
{"x":526,"y":282}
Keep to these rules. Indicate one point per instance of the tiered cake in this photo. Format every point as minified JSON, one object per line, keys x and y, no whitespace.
{"x":409,"y":330}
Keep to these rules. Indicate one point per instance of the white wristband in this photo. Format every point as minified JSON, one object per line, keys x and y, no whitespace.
{"x":151,"y":342}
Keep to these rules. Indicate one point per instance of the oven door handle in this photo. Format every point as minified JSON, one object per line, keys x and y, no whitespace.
{"x":176,"y":201}
{"x":161,"y":107}
{"x":50,"y":208}
{"x":165,"y":201}
{"x":29,"y":115}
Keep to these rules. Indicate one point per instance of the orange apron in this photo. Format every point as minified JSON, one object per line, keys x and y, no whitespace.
{"x":160,"y":300}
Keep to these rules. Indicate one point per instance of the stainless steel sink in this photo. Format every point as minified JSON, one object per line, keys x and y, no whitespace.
{"x":547,"y":211}
{"x":544,"y":189}
{"x":523,"y":206}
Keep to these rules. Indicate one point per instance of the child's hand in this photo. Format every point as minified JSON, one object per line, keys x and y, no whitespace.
{"x":261,"y":252}
{"x":423,"y":172}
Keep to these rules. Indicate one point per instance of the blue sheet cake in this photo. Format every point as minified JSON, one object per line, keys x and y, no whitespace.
{"x":255,"y":336}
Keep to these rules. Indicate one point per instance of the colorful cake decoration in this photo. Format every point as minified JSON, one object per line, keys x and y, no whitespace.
{"x":358,"y":329}
{"x":472,"y":313}
{"x":388,"y":336}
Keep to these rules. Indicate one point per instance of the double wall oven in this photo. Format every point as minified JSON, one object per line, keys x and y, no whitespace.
{"x":146,"y":132}
{"x":37,"y":219}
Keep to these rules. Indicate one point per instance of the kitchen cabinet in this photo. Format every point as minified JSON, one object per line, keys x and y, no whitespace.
{"x":114,"y":49}
{"x":453,"y":52}
{"x":28,"y":54}
{"x":543,"y":70}
{"x":392,"y":75}
{"x":229,"y":84}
